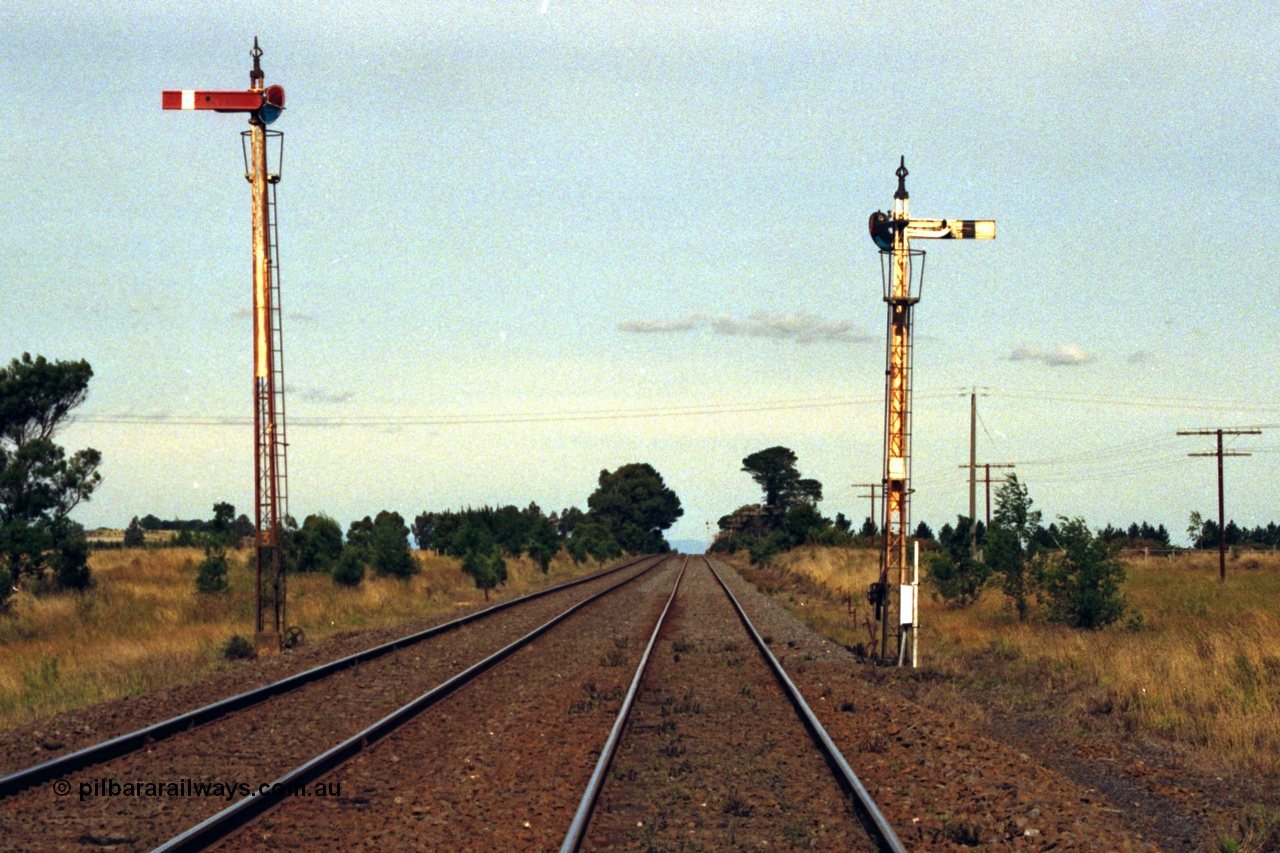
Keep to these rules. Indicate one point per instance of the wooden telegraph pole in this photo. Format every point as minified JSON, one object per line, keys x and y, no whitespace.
{"x":986,"y":467}
{"x":871,"y":493}
{"x":1222,"y":521}
{"x":973,"y":472}
{"x":973,"y":466}
{"x":902,"y":277}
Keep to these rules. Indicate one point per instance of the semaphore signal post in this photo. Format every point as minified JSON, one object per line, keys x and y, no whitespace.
{"x":263,"y":104}
{"x":902,"y":275}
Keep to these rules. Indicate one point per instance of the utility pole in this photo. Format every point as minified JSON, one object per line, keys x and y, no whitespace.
{"x":1222,"y":522}
{"x":264,"y":105}
{"x":871,"y":487}
{"x":973,"y":468}
{"x":986,"y":466}
{"x":902,"y":278}
{"x":973,"y":463}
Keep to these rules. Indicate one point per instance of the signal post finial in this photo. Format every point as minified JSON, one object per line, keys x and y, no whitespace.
{"x":256,"y":76}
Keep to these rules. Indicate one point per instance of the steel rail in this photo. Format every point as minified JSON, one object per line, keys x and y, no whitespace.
{"x":218,"y":826}
{"x":141,"y":738}
{"x":588,"y":803}
{"x":880,"y":829}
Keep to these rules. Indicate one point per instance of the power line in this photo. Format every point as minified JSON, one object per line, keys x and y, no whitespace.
{"x":1126,"y":449}
{"x":1194,"y":404}
{"x":498,"y":418}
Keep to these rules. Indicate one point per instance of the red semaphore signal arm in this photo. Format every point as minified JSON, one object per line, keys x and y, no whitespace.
{"x":224,"y":102}
{"x":248,"y":101}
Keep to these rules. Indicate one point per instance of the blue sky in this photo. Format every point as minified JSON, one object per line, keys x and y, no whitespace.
{"x":488,"y":212}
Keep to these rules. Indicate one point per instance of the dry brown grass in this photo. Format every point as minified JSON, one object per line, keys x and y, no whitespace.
{"x":144,"y":626}
{"x":1201,"y":669}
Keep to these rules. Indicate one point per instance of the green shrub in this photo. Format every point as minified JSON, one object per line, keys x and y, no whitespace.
{"x":133,"y":535}
{"x":239,"y":648}
{"x":211,"y":574}
{"x":542,"y":542}
{"x":953,"y":572}
{"x":319,"y":543}
{"x":71,"y":564}
{"x":593,"y":539}
{"x":486,"y":567}
{"x":959,"y":582}
{"x":1005,"y":557}
{"x":350,"y":567}
{"x":389,"y":546}
{"x":1083,"y":582}
{"x":765,"y":549}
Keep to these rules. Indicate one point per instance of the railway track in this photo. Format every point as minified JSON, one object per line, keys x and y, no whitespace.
{"x":265,"y":727}
{"x":687,"y":693}
{"x":546,"y":756}
{"x":659,"y":661}
{"x":491,"y":766}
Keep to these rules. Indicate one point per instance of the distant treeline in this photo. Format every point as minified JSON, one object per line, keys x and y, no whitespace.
{"x":1203,"y":533}
{"x":1136,"y":535}
{"x":516,"y":531}
{"x":195,"y":525}
{"x":224,"y":529}
{"x":627,"y":513}
{"x":787,"y":516}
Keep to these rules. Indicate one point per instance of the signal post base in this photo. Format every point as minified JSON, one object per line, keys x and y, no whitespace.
{"x":266,"y":643}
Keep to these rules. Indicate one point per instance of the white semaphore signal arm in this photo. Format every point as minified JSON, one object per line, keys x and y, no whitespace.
{"x":951,"y":229}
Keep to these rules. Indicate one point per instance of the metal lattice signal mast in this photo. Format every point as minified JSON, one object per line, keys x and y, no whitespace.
{"x":1222,"y":521}
{"x":902,"y":272}
{"x":264,"y":105}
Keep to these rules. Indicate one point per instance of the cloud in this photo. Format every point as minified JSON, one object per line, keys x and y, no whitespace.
{"x":798,"y":328}
{"x":319,"y":395}
{"x":1066,"y":355}
{"x":683,"y":324}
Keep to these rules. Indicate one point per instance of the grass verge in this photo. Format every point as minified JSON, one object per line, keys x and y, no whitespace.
{"x":143,"y":626}
{"x":1195,"y":663}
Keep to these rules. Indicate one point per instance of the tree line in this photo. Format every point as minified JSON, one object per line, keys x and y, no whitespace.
{"x":40,"y":484}
{"x":626,"y":514}
{"x":1203,"y":533}
{"x":787,"y":515}
{"x":224,"y":527}
{"x":43,"y":549}
{"x":1074,"y":575}
{"x":1064,"y":567}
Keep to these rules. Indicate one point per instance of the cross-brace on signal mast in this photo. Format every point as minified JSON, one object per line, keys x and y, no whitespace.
{"x":1222,"y":522}
{"x":902,"y":277}
{"x":271,"y":493}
